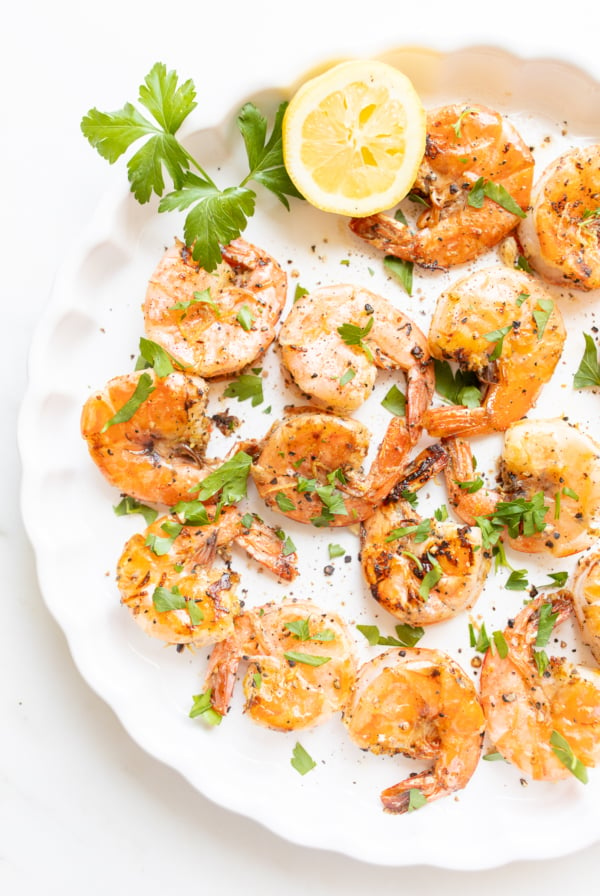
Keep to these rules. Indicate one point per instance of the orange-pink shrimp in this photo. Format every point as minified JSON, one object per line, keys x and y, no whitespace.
{"x":420,"y":703}
{"x":214,"y":324}
{"x":301,"y":665}
{"x":528,"y":702}
{"x":309,"y":467}
{"x":468,"y":147}
{"x":170,"y":580}
{"x":502,"y":325}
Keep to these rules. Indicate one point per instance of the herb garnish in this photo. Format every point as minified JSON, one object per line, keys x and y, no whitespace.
{"x":214,"y":216}
{"x":497,"y":193}
{"x":301,"y":760}
{"x":248,"y":386}
{"x":202,"y":707}
{"x":354,"y":335}
{"x":588,"y":372}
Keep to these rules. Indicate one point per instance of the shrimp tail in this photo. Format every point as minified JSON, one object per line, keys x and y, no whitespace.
{"x":457,"y":420}
{"x":221,"y":673}
{"x":397,"y":799}
{"x":264,"y":545}
{"x":427,"y":464}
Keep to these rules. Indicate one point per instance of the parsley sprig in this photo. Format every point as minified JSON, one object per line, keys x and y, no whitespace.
{"x":214,"y":216}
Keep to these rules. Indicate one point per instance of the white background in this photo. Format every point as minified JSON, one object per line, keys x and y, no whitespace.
{"x":82,"y":808}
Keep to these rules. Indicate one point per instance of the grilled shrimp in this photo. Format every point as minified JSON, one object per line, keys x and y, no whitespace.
{"x":472,"y":153}
{"x":158,"y":454}
{"x":214,"y":324}
{"x":551,"y":469}
{"x":420,"y":703}
{"x":420,"y":570}
{"x":309,"y":467}
{"x":502,"y":325}
{"x":169,"y":579}
{"x":586,"y":598}
{"x":300,"y":669}
{"x":340,"y":371}
{"x":561,"y":234}
{"x":526,"y":708}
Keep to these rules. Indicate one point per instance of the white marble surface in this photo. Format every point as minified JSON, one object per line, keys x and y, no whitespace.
{"x":82,"y":808}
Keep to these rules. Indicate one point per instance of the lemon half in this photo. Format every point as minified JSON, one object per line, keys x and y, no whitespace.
{"x":353,"y":138}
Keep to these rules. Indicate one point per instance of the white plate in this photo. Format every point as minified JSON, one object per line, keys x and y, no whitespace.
{"x":90,"y":332}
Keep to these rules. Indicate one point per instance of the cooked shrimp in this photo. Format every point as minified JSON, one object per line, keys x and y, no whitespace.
{"x":341,"y":374}
{"x":586,"y":598}
{"x":502,"y":325}
{"x":169,"y":578}
{"x":300,"y":670}
{"x":420,"y":570}
{"x":158,"y":455}
{"x":523,"y":706}
{"x":549,"y":467}
{"x":467,"y":146}
{"x":561,"y":234}
{"x":420,"y":703}
{"x":309,"y":467}
{"x":215,"y":324}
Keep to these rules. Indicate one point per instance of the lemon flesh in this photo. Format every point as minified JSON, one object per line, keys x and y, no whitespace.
{"x":353,"y":138}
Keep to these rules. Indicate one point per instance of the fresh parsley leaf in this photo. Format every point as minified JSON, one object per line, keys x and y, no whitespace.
{"x":470,"y":486}
{"x":299,"y":292}
{"x":333,"y":504}
{"x":335,"y":550}
{"x":201,"y":297}
{"x":559,"y":579}
{"x":456,"y":127}
{"x":588,"y":372}
{"x":265,"y":156}
{"x":354,"y":335}
{"x":497,"y":193}
{"x":441,"y":513}
{"x":230,"y":479}
{"x":500,"y":644}
{"x":431,"y":578}
{"x":402,"y":270}
{"x":202,"y":707}
{"x":394,"y":401}
{"x":192,"y":512}
{"x":416,"y":799}
{"x":408,"y":635}
{"x":563,"y":751}
{"x":246,"y":387}
{"x":283,"y":502}
{"x":144,"y":388}
{"x":497,"y":336}
{"x":541,"y":315}
{"x":546,"y":622}
{"x":309,"y":659}
{"x":156,"y":357}
{"x":457,"y":388}
{"x":421,"y":531}
{"x":245,"y":318}
{"x":129,"y":505}
{"x":517,"y":580}
{"x":301,"y":760}
{"x":161,"y":545}
{"x":347,"y":376}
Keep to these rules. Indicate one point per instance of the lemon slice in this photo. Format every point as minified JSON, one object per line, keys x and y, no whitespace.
{"x":353,"y":138}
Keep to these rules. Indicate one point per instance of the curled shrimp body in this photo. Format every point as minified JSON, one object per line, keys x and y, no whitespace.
{"x":214,"y":324}
{"x":523,"y":706}
{"x":171,"y":582}
{"x":547,"y":458}
{"x":586,"y":599}
{"x":420,"y":703}
{"x":561,"y":234}
{"x":466,"y":146}
{"x":300,"y":669}
{"x":501,"y":325}
{"x":309,"y":467}
{"x":341,"y":376}
{"x":401,"y":553}
{"x":158,"y":455}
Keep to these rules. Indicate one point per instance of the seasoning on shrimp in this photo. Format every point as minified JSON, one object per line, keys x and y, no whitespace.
{"x":503,"y":326}
{"x":157,"y":453}
{"x":418,"y":702}
{"x":215,"y":324}
{"x":586,"y":598}
{"x":560,"y":236}
{"x":535,"y":705}
{"x":301,"y":665}
{"x":475,"y":179}
{"x":342,"y":328}
{"x":549,"y":494}
{"x":171,"y":582}
{"x":309,"y":467}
